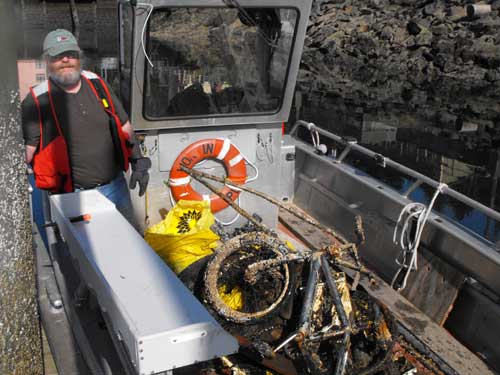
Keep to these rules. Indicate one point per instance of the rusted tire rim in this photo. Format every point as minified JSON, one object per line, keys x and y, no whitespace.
{"x":237,"y":243}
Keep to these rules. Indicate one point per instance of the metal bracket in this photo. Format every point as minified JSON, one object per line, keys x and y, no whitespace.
{"x":380,"y":160}
{"x":413,"y":186}
{"x":350,"y":140}
{"x":53,"y":294}
{"x":344,"y":153}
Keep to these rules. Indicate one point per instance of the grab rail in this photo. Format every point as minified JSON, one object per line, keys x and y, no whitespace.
{"x":351,"y":144}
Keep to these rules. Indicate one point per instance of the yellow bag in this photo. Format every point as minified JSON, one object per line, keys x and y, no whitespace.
{"x":184,"y":236}
{"x":233,"y":298}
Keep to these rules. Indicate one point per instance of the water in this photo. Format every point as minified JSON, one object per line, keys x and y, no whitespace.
{"x":449,"y":160}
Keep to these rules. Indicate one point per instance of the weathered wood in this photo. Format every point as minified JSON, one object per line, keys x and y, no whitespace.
{"x":48,"y":361}
{"x":429,"y":338}
{"x":434,"y":286}
{"x":307,"y":233}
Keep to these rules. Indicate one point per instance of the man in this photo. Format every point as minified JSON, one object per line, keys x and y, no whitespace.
{"x":76,"y":132}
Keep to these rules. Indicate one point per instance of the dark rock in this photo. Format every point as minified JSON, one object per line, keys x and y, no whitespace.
{"x":495,"y":4}
{"x":429,"y":9}
{"x":400,"y":35}
{"x":440,"y":60}
{"x":404,"y":55}
{"x":440,"y":29}
{"x":316,"y":7}
{"x":387,"y":33}
{"x":367,"y":44}
{"x":428,"y":55}
{"x":375,"y":4}
{"x":415,"y":3}
{"x":424,"y":38}
{"x":413,"y":28}
{"x":435,"y":10}
{"x":486,"y":25}
{"x":417,"y":70}
{"x":445,"y":46}
{"x":492,"y":75}
{"x":486,"y":53}
{"x":447,"y":120}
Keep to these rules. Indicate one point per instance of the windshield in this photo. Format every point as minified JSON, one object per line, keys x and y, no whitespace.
{"x":217,"y":61}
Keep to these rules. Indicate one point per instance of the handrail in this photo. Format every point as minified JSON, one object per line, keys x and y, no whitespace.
{"x":352,"y":145}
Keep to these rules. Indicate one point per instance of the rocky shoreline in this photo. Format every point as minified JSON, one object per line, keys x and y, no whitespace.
{"x":407,"y":63}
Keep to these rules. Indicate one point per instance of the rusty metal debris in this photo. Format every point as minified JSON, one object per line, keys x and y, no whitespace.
{"x":198,"y":175}
{"x":300,"y":303}
{"x":228,"y":267}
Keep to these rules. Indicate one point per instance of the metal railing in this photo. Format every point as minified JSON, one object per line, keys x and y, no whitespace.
{"x":351,"y":144}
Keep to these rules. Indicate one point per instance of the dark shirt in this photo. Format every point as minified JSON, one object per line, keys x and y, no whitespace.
{"x":85,"y":127}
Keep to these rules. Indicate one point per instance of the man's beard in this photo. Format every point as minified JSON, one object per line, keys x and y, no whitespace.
{"x":67,"y":79}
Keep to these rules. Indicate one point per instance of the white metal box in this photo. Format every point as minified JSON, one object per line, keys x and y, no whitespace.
{"x":162,"y":325}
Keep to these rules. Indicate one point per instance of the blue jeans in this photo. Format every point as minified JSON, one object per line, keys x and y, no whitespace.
{"x":118,"y":192}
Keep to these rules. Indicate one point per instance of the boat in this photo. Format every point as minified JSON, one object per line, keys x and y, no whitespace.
{"x":222,"y":74}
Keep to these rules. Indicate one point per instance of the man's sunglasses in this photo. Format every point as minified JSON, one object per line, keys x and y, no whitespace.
{"x":67,"y":54}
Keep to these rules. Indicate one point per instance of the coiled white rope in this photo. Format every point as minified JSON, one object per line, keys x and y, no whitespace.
{"x":407,"y":258}
{"x":235,"y":188}
{"x":233,"y":220}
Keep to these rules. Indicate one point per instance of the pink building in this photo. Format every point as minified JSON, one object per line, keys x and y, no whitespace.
{"x":31,"y":73}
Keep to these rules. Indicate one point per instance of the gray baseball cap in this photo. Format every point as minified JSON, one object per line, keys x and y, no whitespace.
{"x":59,"y":41}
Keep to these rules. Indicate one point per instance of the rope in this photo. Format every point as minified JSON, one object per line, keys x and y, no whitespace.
{"x":232,"y":187}
{"x":233,"y":220}
{"x":265,"y":148}
{"x":318,"y":146}
{"x":407,"y":258}
{"x":144,"y":30}
{"x":315,"y":138}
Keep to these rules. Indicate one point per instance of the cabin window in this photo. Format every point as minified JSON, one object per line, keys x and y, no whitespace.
{"x":217,"y":61}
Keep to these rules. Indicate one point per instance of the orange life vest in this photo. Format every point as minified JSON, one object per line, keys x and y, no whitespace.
{"x":51,"y":165}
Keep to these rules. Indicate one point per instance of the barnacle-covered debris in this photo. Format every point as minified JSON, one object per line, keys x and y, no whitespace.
{"x":299,"y":312}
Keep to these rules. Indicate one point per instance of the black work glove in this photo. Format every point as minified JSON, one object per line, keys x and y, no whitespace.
{"x":140,"y":174}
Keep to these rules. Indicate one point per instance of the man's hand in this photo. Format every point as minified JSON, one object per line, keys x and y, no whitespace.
{"x":140,"y":174}
{"x":30,"y":153}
